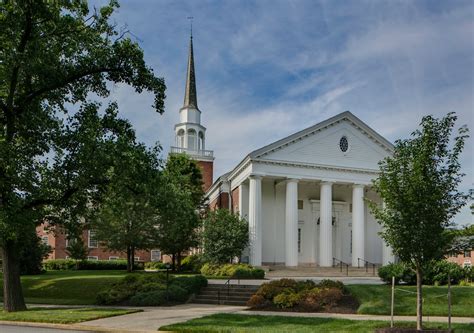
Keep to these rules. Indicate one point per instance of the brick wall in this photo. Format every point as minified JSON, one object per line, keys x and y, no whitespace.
{"x":462,"y":259}
{"x":207,"y":169}
{"x":235,"y":200}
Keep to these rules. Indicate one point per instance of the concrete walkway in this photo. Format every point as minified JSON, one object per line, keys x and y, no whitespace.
{"x":344,"y":279}
{"x":154,"y":317}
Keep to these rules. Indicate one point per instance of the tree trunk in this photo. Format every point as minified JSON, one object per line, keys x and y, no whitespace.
{"x":12,"y":293}
{"x":173,"y":262}
{"x":132,"y":257}
{"x":419,"y":299}
{"x":178,"y":262}
{"x":129,"y":267}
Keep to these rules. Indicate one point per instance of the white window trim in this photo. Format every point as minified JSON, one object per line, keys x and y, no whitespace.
{"x":45,"y":239}
{"x":152,"y":256}
{"x":136,"y":258}
{"x":92,"y":258}
{"x":114,"y":258}
{"x":89,"y":241}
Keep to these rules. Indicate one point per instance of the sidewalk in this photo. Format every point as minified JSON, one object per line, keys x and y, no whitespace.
{"x":345,"y":279}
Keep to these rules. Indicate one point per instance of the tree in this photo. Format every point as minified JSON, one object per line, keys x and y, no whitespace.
{"x":181,"y":198}
{"x":32,"y":253}
{"x":225,"y":235}
{"x":127,"y":219}
{"x":54,"y":157}
{"x":419,"y":188}
{"x":77,"y":250}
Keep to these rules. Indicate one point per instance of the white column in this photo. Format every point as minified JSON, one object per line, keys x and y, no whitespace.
{"x":325,"y":226}
{"x":255,"y":220}
{"x":387,"y":253}
{"x":243,"y":200}
{"x":291,"y":223}
{"x":358,"y":224}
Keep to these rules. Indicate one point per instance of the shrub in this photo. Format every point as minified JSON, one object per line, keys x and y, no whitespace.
{"x":287,"y":299}
{"x":258,"y":301}
{"x":192,"y":263}
{"x":386,"y":272}
{"x":328,"y":284}
{"x":153,"y":298}
{"x":271,"y":289}
{"x":242,"y":271}
{"x":153,"y":265}
{"x":32,"y":252}
{"x":69,"y":264}
{"x":148,"y":289}
{"x":438,"y":272}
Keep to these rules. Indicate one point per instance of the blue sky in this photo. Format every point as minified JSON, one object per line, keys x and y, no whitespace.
{"x":267,"y":68}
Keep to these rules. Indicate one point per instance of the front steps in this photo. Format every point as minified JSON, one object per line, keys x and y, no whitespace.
{"x":305,"y":271}
{"x":225,"y":295}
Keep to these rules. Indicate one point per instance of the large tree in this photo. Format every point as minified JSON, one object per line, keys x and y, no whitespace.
{"x":225,"y":235}
{"x":181,"y":199}
{"x":128,"y":217}
{"x":419,"y":188}
{"x":53,"y":158}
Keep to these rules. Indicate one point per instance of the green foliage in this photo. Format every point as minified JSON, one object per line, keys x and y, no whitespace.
{"x":287,"y":299}
{"x":69,"y":264}
{"x":153,"y":265}
{"x":225,"y":236}
{"x":32,"y":253}
{"x":150,"y":289}
{"x":302,"y":295}
{"x":436,"y":273}
{"x":77,"y":249}
{"x":242,"y":271}
{"x":179,"y":200}
{"x":418,"y":186}
{"x":192,"y":263}
{"x":55,"y":159}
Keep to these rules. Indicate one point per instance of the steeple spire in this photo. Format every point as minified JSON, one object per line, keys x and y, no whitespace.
{"x":190,"y":96}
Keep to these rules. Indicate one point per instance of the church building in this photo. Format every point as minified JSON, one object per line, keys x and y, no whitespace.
{"x":304,"y":196}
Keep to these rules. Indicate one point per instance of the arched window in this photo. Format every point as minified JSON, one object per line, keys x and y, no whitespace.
{"x":192,"y":139}
{"x":201,"y":141}
{"x":180,"y":138}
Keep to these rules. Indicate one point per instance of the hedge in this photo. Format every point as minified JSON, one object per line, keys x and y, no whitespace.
{"x":69,"y":264}
{"x":241,"y":271}
{"x":151,"y":289}
{"x":434,"y":274}
{"x":153,"y":265}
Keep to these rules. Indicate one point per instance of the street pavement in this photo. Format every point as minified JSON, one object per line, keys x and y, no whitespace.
{"x":26,"y":329}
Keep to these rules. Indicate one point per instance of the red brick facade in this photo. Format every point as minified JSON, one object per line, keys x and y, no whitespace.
{"x":463,"y":259}
{"x":235,"y":200}
{"x":207,"y":169}
{"x":57,"y":240}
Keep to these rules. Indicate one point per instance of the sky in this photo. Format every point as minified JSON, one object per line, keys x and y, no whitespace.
{"x":268,"y":68}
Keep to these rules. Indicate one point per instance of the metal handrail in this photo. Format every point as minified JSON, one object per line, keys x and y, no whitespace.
{"x":366,"y":265}
{"x":340,"y":263}
{"x":228,"y":284}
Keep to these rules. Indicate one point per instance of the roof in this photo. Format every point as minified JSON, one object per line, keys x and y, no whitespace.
{"x":190,"y":96}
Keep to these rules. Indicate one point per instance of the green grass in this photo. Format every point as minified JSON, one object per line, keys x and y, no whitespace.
{"x":233,"y":323}
{"x":67,"y":287}
{"x":62,"y":316}
{"x":375,"y":299}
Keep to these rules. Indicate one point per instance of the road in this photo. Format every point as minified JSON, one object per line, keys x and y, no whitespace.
{"x":26,"y":329}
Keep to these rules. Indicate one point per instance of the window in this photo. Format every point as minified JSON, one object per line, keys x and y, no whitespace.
{"x":180,"y":139}
{"x":201,"y":141}
{"x":467,"y":254}
{"x":92,"y":239}
{"x":344,"y":144}
{"x":155,"y":255}
{"x":299,"y":240}
{"x":92,"y":258}
{"x":192,"y":139}
{"x":300,"y":204}
{"x":114,"y":258}
{"x":137,"y":259}
{"x":45,"y":239}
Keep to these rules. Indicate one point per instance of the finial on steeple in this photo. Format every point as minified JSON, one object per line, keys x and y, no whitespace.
{"x":191,"y":18}
{"x":190,"y":96}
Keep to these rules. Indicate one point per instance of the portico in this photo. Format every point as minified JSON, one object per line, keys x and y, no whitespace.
{"x":306,"y":196}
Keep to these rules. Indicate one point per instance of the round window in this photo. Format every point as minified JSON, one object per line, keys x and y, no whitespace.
{"x":344,"y":144}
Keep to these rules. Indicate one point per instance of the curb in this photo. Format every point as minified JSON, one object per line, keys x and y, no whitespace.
{"x":75,"y":327}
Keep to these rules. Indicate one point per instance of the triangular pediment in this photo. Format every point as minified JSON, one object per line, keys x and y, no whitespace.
{"x":321,"y":145}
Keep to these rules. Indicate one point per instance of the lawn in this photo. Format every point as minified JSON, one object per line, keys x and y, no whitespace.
{"x":62,"y":316}
{"x":233,"y":323}
{"x":375,"y":299}
{"x":67,"y":287}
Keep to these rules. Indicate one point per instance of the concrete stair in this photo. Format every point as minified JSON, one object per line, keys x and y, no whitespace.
{"x":225,"y":294}
{"x":282,"y":271}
